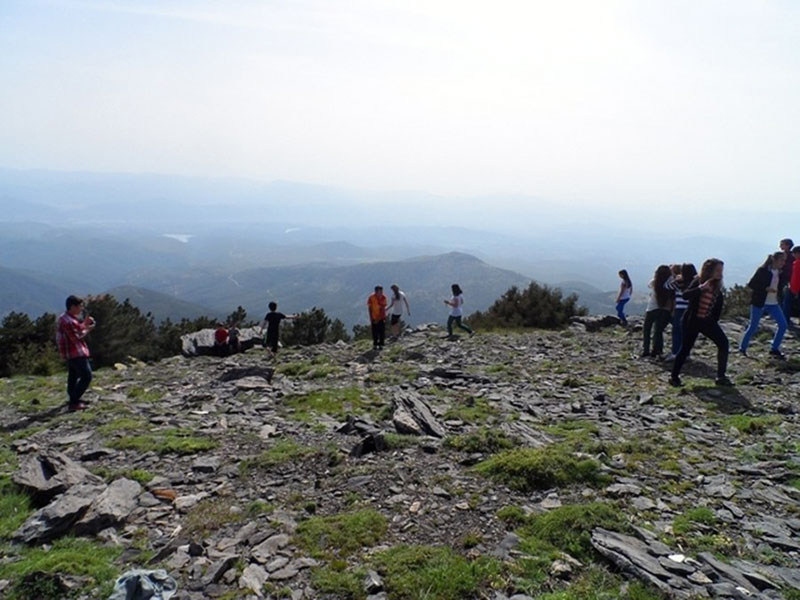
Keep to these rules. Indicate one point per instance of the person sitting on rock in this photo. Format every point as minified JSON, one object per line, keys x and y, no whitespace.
{"x":221,"y":340}
{"x":234,"y":343}
{"x":705,"y":298}
{"x":272,"y":323}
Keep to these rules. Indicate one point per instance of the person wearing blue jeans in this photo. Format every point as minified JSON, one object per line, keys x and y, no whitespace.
{"x":682,"y":276}
{"x":624,"y":295}
{"x":764,"y":299}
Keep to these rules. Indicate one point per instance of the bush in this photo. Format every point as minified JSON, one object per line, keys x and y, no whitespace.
{"x":737,"y":301}
{"x":307,"y":329}
{"x":538,"y":306}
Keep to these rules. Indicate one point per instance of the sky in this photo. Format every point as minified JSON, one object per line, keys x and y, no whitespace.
{"x":680,"y":103}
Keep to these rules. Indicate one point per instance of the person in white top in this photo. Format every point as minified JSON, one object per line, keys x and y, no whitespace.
{"x":395,"y":309}
{"x":764,"y":299}
{"x":456,"y":304}
{"x":624,"y":295}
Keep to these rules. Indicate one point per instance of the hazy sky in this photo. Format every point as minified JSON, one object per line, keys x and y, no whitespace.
{"x":682,"y":102}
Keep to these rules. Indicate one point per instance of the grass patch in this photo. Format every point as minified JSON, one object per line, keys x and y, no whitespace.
{"x":31,"y":394}
{"x":339,"y":583}
{"x":569,"y":528}
{"x":752,"y":425}
{"x":434,"y":573}
{"x":685,"y":523}
{"x":341,"y":535}
{"x":580,"y":436}
{"x":15,"y":507}
{"x":397,"y":441}
{"x":210,"y":515}
{"x":512,"y":515}
{"x":281,"y":453}
{"x":144,"y":395}
{"x":337,"y":403}
{"x":599,"y":584}
{"x":295,"y":368}
{"x":167,"y":441}
{"x":122,"y":425}
{"x":529,"y":469}
{"x":470,"y":410}
{"x":66,"y":556}
{"x":484,"y":440}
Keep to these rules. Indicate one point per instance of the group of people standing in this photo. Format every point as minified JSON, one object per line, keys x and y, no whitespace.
{"x":380,"y":307}
{"x":692,"y":303}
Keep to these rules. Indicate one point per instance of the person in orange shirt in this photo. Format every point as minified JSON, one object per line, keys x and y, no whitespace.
{"x":376,"y":304}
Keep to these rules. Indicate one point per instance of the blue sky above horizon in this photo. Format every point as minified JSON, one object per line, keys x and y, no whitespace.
{"x":616,"y":103}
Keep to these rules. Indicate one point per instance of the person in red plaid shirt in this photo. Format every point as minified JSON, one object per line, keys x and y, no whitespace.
{"x":71,"y":341}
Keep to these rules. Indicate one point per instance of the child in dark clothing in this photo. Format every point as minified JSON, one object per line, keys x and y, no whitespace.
{"x":272,"y":322}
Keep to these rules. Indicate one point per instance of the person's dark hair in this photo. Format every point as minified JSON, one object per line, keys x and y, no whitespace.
{"x":73,"y":301}
{"x":788,"y":242}
{"x":771,"y":258}
{"x":688,"y":273}
{"x":396,"y":290}
{"x":662,"y":274}
{"x":707,"y":270}
{"x":378,"y":288}
{"x":796,"y":250}
{"x":273,"y":306}
{"x":626,"y":278}
{"x":456,"y":289}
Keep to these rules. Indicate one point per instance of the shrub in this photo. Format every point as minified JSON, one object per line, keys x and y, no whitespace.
{"x":483,"y":440}
{"x":737,"y":301}
{"x":538,"y":306}
{"x":307,"y":329}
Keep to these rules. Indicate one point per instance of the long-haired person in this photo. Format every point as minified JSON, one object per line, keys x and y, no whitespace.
{"x":624,"y":295}
{"x":456,"y":304}
{"x":705,"y":298}
{"x":659,"y":309}
{"x":682,"y":276}
{"x":764,"y":299}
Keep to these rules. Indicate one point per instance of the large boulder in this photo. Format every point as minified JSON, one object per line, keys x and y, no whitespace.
{"x":58,"y":517}
{"x":49,"y":473}
{"x":413,"y":416}
{"x":201,"y":343}
{"x":111,"y":507}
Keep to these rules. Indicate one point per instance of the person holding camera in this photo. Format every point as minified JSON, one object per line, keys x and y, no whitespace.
{"x":70,"y":337}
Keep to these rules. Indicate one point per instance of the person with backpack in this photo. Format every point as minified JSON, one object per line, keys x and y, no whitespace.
{"x":624,"y":296}
{"x":764,"y":299}
{"x":706,"y":300}
{"x":659,"y":308}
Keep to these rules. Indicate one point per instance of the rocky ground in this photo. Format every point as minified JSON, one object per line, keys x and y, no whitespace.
{"x":506,"y":465}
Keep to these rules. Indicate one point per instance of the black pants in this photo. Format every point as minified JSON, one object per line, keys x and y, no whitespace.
{"x":709,"y":328}
{"x":378,"y":332}
{"x":79,"y":377}
{"x":655,"y":319}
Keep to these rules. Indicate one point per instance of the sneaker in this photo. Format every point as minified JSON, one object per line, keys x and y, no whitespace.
{"x":777,"y":354}
{"x":669,"y":357}
{"x":645,"y":355}
{"x":723,"y":381}
{"x":675,"y":381}
{"x":743,"y":352}
{"x":77,"y":406}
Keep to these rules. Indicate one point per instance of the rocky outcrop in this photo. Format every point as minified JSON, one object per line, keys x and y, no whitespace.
{"x":201,"y":343}
{"x":49,"y":473}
